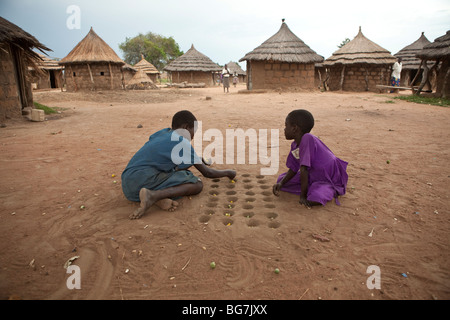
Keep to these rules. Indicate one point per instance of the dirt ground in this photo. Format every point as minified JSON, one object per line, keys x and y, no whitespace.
{"x":59,"y":199}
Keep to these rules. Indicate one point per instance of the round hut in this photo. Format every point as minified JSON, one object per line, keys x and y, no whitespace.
{"x":16,"y":54}
{"x":141,"y":81}
{"x":93,"y":65}
{"x":193,"y":67}
{"x":411,"y":69}
{"x":283,"y":61}
{"x":438,"y":51}
{"x":148,"y":68}
{"x":359,"y":65}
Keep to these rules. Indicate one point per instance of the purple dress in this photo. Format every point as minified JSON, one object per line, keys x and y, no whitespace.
{"x":327,"y":173}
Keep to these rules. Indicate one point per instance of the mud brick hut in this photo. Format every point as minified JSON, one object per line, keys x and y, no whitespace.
{"x":235,"y":68}
{"x":93,"y":65}
{"x":193,"y":67}
{"x":128,"y":72}
{"x":49,"y":75}
{"x":439,"y":52}
{"x":148,"y":68}
{"x":411,"y":65}
{"x":283,"y":61}
{"x":360,"y":65}
{"x":16,"y":55}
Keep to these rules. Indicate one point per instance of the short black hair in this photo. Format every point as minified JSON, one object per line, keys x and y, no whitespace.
{"x":183,"y":117}
{"x":302,"y":119}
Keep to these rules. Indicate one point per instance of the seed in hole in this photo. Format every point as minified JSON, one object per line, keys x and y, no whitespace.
{"x":227,"y":221}
{"x":252,"y":223}
{"x":228,"y":206}
{"x":232,"y":199}
{"x":248,"y":214}
{"x":250,"y":193}
{"x":204,"y":218}
{"x":214,"y":192}
{"x":214,"y":186}
{"x":274,"y":224}
{"x":271,"y":215}
{"x":228,"y":213}
{"x":209,"y":212}
{"x":231,"y":193}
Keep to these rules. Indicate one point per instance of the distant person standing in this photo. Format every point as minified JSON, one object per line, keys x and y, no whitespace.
{"x":235,"y":79}
{"x":226,"y":78}
{"x":395,"y":76}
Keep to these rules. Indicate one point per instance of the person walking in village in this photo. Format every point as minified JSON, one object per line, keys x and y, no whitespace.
{"x":395,"y":76}
{"x":235,"y":79}
{"x":226,"y":73}
{"x":315,"y":173}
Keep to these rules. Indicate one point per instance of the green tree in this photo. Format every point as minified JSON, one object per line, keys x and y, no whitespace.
{"x":343,"y":43}
{"x":157,"y":49}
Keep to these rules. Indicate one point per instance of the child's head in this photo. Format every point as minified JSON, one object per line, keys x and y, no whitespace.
{"x":298,"y":121}
{"x":184,"y":120}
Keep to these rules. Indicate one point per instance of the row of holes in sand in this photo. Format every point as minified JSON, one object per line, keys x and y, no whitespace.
{"x":228,"y":208}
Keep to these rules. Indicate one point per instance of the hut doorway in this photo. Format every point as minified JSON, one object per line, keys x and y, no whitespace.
{"x":52,"y":79}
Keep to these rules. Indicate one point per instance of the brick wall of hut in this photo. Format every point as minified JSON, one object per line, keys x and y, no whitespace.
{"x":281,"y":75}
{"x":193,"y":77}
{"x":78,"y":77}
{"x":355,"y":77}
{"x":11,"y":104}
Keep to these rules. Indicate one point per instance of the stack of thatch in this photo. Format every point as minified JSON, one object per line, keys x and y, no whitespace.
{"x":141,"y":81}
{"x":192,"y":60}
{"x":148,"y":68}
{"x":283,"y":46}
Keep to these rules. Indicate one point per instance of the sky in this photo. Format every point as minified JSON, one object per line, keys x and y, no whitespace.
{"x":225,"y":30}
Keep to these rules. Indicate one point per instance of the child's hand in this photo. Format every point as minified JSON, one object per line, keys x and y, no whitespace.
{"x":276,"y":189}
{"x":305,"y":202}
{"x":231,"y":174}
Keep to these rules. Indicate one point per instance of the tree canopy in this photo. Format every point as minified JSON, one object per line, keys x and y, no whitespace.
{"x":156,"y":49}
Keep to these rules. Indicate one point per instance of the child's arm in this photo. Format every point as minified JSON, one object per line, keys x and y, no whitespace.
{"x":277,"y":187}
{"x":208,"y":172}
{"x":304,"y":180}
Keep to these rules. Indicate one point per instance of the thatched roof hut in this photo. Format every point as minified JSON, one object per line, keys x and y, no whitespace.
{"x":92,"y":64}
{"x":49,"y":74}
{"x":193,"y":67}
{"x":282,"y":61}
{"x":438,"y":51}
{"x":359,"y":65}
{"x":148,"y":68}
{"x":410,"y":63}
{"x":16,"y":55}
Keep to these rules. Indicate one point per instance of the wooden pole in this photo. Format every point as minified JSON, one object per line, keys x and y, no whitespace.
{"x":111,"y":75}
{"x":92,"y":78}
{"x":342,"y":77}
{"x":417,"y":74}
{"x":366,"y":78}
{"x":73,"y":79}
{"x":424,"y":77}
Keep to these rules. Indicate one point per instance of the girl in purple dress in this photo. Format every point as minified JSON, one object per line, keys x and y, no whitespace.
{"x":315,"y":173}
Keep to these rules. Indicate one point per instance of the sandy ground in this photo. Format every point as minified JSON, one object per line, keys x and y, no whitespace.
{"x":395,"y":214}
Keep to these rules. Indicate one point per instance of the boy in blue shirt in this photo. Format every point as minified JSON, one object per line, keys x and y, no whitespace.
{"x":157,"y":173}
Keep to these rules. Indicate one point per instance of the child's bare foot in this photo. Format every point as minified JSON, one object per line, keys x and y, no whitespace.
{"x":167,"y":204}
{"x":147,"y":198}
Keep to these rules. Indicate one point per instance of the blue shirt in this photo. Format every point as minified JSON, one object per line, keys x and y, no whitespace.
{"x":164,"y":151}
